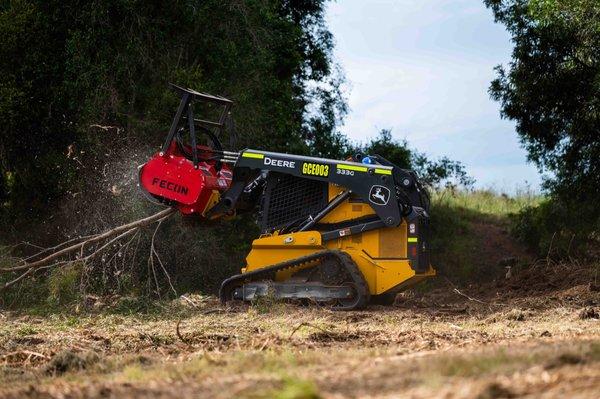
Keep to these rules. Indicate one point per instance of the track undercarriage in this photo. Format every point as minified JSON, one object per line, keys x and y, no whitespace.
{"x":332,"y":278}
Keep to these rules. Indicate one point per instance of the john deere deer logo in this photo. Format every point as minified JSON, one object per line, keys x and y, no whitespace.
{"x":379,"y":195}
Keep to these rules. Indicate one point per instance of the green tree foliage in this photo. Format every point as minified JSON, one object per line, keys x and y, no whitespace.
{"x":432,"y":172}
{"x":66,"y":65}
{"x":394,"y":151}
{"x":35,"y":113}
{"x":551,"y":89}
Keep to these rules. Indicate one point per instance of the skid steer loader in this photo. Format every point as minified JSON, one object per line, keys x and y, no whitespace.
{"x":338,"y":233}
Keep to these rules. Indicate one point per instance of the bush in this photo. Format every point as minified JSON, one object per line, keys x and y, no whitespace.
{"x":63,"y":284}
{"x":558,"y":229}
{"x":451,"y":239}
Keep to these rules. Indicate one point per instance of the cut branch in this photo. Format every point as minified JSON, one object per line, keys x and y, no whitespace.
{"x":56,"y":247}
{"x":126,"y":228}
{"x":29,"y":272}
{"x":53,"y":259}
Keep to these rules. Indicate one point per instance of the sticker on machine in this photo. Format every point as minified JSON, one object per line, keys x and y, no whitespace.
{"x":379,"y":195}
{"x":345,"y":232}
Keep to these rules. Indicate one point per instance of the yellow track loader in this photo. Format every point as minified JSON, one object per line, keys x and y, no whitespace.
{"x":341,"y":233}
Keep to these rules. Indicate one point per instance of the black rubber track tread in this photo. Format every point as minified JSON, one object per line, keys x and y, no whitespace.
{"x":232,"y":282}
{"x":228,"y":286}
{"x":359,"y":282}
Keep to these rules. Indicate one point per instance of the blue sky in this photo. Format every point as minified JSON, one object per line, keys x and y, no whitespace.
{"x":422,"y":68}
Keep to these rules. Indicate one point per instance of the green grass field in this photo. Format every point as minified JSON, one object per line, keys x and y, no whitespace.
{"x":486,"y":202}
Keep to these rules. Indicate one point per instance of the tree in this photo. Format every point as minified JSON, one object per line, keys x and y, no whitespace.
{"x":66,"y":65}
{"x":551,"y":88}
{"x":394,"y":151}
{"x":432,"y":173}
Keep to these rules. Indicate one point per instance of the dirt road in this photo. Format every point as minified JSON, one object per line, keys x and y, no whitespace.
{"x":536,"y":334}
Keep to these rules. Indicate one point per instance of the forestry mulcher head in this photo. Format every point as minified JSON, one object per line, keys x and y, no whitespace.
{"x":339,"y":233}
{"x":184,"y":174}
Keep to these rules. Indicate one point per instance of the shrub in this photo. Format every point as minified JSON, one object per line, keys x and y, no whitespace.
{"x":63,"y":284}
{"x":558,"y":229}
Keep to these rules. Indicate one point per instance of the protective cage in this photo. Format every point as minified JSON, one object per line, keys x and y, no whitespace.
{"x":288,"y":199}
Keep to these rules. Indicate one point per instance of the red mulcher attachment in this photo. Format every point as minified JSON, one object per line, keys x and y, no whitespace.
{"x":188,"y":176}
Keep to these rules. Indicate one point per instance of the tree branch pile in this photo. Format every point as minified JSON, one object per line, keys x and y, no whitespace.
{"x":84,"y":249}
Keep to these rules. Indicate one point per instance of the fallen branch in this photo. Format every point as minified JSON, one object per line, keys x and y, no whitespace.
{"x":181,"y":337}
{"x":112,"y":235}
{"x":93,"y":239}
{"x":188,"y":300}
{"x":154,"y":253}
{"x":469,"y":298}
{"x":56,"y":247}
{"x":24,"y":352}
{"x":28,"y":272}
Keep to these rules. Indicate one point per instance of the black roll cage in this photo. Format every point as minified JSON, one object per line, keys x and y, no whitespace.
{"x":185,"y":112}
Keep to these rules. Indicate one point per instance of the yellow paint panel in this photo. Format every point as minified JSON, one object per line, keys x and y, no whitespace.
{"x":352,"y":167}
{"x":383,"y":171}
{"x":215,"y":196}
{"x":252,"y":155}
{"x":379,"y":254}
{"x":391,"y":273}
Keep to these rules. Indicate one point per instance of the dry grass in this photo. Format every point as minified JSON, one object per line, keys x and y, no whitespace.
{"x":435,"y":344}
{"x":487,"y":202}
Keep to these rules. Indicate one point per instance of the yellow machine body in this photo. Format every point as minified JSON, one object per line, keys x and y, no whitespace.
{"x":381,"y":255}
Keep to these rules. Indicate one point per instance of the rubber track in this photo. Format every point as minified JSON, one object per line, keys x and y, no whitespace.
{"x":359,"y":281}
{"x":268,"y":273}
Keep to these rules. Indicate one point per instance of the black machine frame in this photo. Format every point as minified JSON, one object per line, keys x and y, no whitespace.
{"x":395,"y":194}
{"x":185,"y":111}
{"x":374,"y":184}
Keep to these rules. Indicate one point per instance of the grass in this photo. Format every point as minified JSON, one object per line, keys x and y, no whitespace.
{"x":486,"y":202}
{"x":63,"y":284}
{"x":502,"y":360}
{"x":250,"y":351}
{"x":294,"y":388}
{"x":470,"y":231}
{"x":307,"y":373}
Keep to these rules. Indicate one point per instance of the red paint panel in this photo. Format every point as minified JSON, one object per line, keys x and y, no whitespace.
{"x":173,"y":178}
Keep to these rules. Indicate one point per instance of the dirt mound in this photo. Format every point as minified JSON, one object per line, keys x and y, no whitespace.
{"x":68,"y":360}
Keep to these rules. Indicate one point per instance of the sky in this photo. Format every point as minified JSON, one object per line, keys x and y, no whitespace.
{"x":422,"y":68}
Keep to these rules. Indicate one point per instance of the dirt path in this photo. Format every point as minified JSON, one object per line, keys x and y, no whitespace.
{"x":495,"y":245}
{"x":534,"y":335}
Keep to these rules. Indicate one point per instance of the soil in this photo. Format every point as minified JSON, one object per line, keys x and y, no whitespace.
{"x":536,"y":334}
{"x":496,"y":247}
